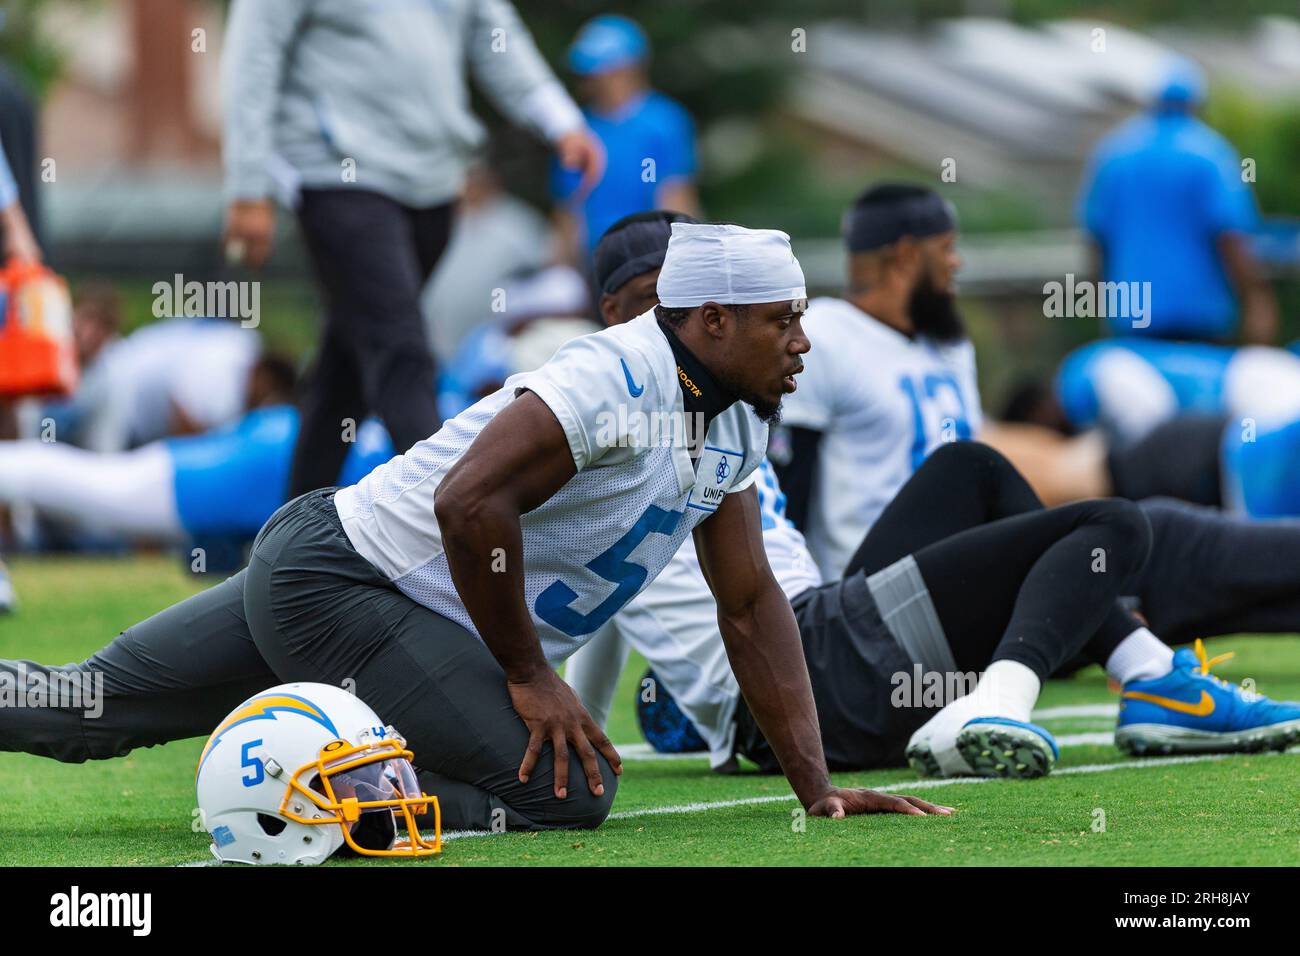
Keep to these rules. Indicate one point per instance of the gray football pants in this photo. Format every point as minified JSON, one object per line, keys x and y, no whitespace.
{"x":309,"y":608}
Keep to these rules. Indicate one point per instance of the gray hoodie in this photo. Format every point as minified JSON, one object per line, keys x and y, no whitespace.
{"x":371,"y":93}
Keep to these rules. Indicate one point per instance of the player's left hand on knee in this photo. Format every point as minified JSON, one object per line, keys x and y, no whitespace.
{"x":847,"y":802}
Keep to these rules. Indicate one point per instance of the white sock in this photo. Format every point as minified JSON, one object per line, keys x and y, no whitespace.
{"x":1008,"y":689}
{"x":1140,"y":656}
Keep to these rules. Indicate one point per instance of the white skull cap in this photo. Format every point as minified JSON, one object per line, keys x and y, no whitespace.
{"x":730,"y":265}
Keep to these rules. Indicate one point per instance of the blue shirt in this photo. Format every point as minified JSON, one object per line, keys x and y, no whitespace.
{"x":230,"y":480}
{"x":651,"y":127}
{"x":1159,"y":192}
{"x":1195,"y":372}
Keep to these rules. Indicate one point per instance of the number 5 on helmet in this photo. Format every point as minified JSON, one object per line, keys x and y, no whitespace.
{"x":301,"y":771}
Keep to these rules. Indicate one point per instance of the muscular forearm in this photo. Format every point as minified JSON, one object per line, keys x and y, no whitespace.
{"x":484,"y":546}
{"x":766,"y":656}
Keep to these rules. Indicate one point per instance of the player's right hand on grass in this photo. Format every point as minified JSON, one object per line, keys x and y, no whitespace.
{"x":249,"y":232}
{"x":553,"y":712}
{"x":847,"y":802}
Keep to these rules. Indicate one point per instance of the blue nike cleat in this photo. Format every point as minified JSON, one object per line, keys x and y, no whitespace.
{"x":1190,"y":711}
{"x":1013,"y":749}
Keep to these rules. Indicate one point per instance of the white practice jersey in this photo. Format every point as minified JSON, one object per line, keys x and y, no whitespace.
{"x":883,"y":402}
{"x":612,"y":528}
{"x":198,"y":367}
{"x":674,"y":624}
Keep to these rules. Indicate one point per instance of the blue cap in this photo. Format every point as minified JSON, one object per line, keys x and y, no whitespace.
{"x":1183,"y":84}
{"x":606,"y":43}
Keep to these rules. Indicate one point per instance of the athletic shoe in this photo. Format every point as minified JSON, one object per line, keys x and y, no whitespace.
{"x":1011,"y":749}
{"x":986,"y":747}
{"x":922,"y":758}
{"x":665,"y":727}
{"x":1190,"y":711}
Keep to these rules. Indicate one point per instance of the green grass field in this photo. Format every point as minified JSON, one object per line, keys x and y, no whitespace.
{"x":138,"y":810}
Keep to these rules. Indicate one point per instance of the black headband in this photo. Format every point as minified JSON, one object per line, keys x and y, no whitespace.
{"x":875,"y":224}
{"x":633,"y":246}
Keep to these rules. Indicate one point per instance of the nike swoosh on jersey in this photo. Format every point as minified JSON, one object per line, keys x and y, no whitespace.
{"x":1202,"y":708}
{"x":633,"y":388}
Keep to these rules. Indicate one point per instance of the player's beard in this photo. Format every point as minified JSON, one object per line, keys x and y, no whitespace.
{"x":768,"y":412}
{"x":934,"y":312}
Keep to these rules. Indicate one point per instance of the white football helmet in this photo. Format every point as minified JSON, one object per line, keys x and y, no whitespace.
{"x":301,"y":770}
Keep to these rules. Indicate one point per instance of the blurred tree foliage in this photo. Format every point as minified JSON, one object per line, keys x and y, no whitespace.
{"x":24,"y":49}
{"x":729,"y":62}
{"x":1268,"y":133}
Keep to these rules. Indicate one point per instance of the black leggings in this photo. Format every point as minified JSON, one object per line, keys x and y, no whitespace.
{"x":1211,"y":573}
{"x":1009,"y":579}
{"x":1178,"y":459}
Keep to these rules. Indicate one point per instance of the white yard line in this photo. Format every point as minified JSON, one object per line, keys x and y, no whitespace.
{"x":1077,"y":710}
{"x":703,"y":807}
{"x":1103,"y":738}
{"x":644,"y":752}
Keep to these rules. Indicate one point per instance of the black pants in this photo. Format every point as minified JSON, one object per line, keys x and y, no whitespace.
{"x":1211,"y":573}
{"x":372,"y":256}
{"x":1177,"y":459}
{"x":309,"y":608}
{"x":1008,"y":578}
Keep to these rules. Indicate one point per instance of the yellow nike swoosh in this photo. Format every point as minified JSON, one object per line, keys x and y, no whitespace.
{"x":1202,"y":708}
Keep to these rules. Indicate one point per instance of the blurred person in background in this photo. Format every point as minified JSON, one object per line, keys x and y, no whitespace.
{"x":1129,"y":386}
{"x":544,"y":310}
{"x":177,"y":376}
{"x":1165,"y":201}
{"x":495,"y":238}
{"x":850,"y":440}
{"x":19,"y":239}
{"x":19,"y":222}
{"x":223,"y":482}
{"x":649,"y":139}
{"x":359,"y":115}
{"x":19,"y":212}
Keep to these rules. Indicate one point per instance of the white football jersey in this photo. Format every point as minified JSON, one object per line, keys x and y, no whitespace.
{"x":883,"y":402}
{"x":611,"y":529}
{"x":674,"y":623}
{"x":199,"y":366}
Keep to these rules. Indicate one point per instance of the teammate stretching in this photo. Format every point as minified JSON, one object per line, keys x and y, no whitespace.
{"x":976,"y":616}
{"x":227,"y":481}
{"x":449,"y":582}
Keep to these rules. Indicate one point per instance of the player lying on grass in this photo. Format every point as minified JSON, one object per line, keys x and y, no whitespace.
{"x":227,"y":481}
{"x":855,"y":651}
{"x":964,"y":574}
{"x":1247,"y":465}
{"x":1208,"y":574}
{"x":1128,"y":386}
{"x":450,"y":582}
